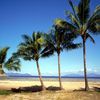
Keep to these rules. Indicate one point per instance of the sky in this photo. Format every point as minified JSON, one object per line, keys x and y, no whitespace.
{"x":19,"y":17}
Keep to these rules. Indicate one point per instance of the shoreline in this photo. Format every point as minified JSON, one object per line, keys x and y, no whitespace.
{"x":67,"y":79}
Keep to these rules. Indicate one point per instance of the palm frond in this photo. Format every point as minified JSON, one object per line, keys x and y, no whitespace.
{"x":50,"y":40}
{"x":22,"y":44}
{"x":47,"y":53}
{"x":73,"y":8}
{"x":95,"y":28}
{"x":27,"y":39}
{"x":13,"y":64}
{"x":41,"y":39}
{"x":3,"y":54}
{"x":95,"y":17}
{"x":90,"y":37}
{"x":64,"y":25}
{"x":83,"y":11}
{"x":72,"y":46}
{"x":73,"y":19}
{"x":69,"y":37}
{"x":31,"y":47}
{"x":94,"y":22}
{"x":25,"y":53}
{"x":58,"y":40}
{"x":34,"y":36}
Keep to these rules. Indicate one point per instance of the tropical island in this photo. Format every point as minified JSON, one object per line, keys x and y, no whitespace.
{"x":65,"y":35}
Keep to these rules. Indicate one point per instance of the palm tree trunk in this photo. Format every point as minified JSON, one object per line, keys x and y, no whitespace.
{"x":40,"y":77}
{"x":85,"y":71}
{"x":59,"y":71}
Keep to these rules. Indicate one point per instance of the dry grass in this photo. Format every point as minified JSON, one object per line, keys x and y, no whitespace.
{"x":53,"y":95}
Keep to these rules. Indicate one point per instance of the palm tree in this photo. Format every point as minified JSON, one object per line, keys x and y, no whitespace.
{"x":3,"y":53}
{"x":82,"y":23}
{"x":56,"y":41}
{"x":31,"y":49}
{"x":11,"y":64}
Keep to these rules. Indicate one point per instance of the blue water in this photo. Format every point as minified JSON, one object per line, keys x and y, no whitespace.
{"x":50,"y":78}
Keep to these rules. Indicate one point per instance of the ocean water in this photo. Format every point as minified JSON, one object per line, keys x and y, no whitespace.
{"x":49,"y":78}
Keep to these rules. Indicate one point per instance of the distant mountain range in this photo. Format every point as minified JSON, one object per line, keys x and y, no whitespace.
{"x":81,"y":75}
{"x":18,"y":74}
{"x":64,"y":76}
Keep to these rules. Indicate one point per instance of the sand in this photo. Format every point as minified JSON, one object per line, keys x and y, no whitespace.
{"x":8,"y":84}
{"x":67,"y":94}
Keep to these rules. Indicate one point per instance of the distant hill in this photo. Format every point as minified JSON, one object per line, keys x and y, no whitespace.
{"x":93,"y":75}
{"x":80,"y":75}
{"x":63,"y":76}
{"x":18,"y":74}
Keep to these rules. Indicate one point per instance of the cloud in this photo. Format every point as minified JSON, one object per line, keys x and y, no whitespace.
{"x":81,"y":71}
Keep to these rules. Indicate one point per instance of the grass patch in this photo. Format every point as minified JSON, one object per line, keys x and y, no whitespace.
{"x":5,"y":92}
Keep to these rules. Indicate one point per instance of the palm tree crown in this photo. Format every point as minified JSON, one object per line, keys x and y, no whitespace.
{"x":11,"y":64}
{"x":58,"y":40}
{"x":3,"y":53}
{"x":31,"y":48}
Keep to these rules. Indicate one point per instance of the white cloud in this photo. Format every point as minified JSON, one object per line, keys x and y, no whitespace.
{"x":81,"y":71}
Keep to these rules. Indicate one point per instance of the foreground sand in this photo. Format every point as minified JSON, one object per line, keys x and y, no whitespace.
{"x":67,"y":94}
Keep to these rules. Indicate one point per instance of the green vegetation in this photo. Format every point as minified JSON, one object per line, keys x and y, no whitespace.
{"x":11,"y":64}
{"x":5,"y":92}
{"x":3,"y":53}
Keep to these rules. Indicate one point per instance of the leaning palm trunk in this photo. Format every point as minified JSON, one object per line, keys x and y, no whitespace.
{"x":59,"y":72}
{"x":85,"y":71}
{"x":40,"y":77}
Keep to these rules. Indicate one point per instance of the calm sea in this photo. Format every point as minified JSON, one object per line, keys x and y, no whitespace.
{"x":49,"y":78}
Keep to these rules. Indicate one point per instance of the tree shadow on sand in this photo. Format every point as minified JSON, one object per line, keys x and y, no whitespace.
{"x":27,"y":89}
{"x":35,"y":88}
{"x":80,"y":89}
{"x":95,"y":89}
{"x":53,"y":88}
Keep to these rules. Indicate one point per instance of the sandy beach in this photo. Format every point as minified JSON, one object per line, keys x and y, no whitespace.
{"x":8,"y":84}
{"x":70,"y":91}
